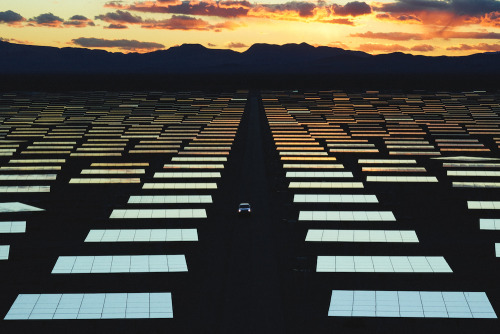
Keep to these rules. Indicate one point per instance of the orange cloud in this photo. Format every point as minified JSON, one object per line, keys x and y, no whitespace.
{"x":370,"y":47}
{"x":183,"y":22}
{"x":393,"y":36}
{"x":403,"y":36}
{"x":422,"y":48}
{"x":477,"y":47}
{"x":373,"y":47}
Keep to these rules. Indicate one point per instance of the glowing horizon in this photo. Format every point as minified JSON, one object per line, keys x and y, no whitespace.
{"x":430,"y":27}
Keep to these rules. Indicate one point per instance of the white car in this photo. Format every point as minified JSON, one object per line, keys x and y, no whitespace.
{"x":244,"y":208}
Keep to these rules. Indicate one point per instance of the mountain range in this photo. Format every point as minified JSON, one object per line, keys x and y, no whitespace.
{"x":258,"y":59}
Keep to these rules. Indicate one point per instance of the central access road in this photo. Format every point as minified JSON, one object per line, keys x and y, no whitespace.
{"x":252,"y":299}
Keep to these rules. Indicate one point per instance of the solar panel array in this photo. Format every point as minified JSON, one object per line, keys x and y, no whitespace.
{"x":163,"y":151}
{"x":391,"y":203}
{"x":391,"y":139}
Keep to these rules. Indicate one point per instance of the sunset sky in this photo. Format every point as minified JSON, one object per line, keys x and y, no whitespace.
{"x":425,"y":27}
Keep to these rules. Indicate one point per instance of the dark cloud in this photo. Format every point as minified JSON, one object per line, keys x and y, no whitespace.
{"x":122,"y":44}
{"x":78,"y":24}
{"x":79,"y":21}
{"x":304,"y":9}
{"x":211,"y":45}
{"x":246,"y":4}
{"x":405,"y":6}
{"x":116,"y":26}
{"x":446,"y":13}
{"x":318,"y":11}
{"x":355,"y":8}
{"x":120,"y":17}
{"x":236,"y":45}
{"x":401,"y":18}
{"x":47,"y":19}
{"x":195,"y":8}
{"x":458,"y":7}
{"x":10,"y":17}
{"x":78,"y":18}
{"x":13,"y":40}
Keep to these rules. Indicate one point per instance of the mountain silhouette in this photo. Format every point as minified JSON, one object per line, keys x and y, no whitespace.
{"x":258,"y":59}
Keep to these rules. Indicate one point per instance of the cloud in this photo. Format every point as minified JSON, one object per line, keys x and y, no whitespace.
{"x":423,"y":48}
{"x":202,"y":8}
{"x":398,"y":18}
{"x":13,"y":40}
{"x":355,"y":8}
{"x":178,"y":22}
{"x":471,"y":35}
{"x":402,"y":36}
{"x":120,"y":17}
{"x":211,"y":45}
{"x":339,"y":21}
{"x":79,"y":21}
{"x":116,"y":26}
{"x":236,"y":45}
{"x":444,"y":13}
{"x":78,"y":18}
{"x":373,"y":47}
{"x":290,"y":11}
{"x":477,"y":47}
{"x":225,"y":25}
{"x":302,"y":9}
{"x":311,"y":12}
{"x":370,"y":47}
{"x":393,"y":36}
{"x":458,"y":7}
{"x":47,"y":20}
{"x":491,"y":19}
{"x":11,"y":18}
{"x":122,"y":44}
